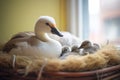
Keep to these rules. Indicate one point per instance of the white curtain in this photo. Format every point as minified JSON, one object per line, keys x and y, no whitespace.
{"x":74,"y":17}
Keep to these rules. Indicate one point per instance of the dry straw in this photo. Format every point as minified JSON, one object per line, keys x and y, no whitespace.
{"x":106,"y":56}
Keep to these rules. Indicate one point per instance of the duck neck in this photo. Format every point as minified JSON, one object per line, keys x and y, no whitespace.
{"x":43,"y":36}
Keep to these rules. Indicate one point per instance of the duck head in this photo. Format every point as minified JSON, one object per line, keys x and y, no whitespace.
{"x":46,"y":24}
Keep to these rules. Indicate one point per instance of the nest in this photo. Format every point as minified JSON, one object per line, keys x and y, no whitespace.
{"x":107,"y":56}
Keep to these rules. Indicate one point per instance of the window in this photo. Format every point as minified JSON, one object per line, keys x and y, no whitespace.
{"x":96,"y":20}
{"x":104,"y":17}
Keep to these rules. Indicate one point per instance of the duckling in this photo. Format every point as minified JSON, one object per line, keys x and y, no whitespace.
{"x":65,"y":49}
{"x":75,"y":48}
{"x":65,"y":52}
{"x":88,"y":47}
{"x":38,"y":45}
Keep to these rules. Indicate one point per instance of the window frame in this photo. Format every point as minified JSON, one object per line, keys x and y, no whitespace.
{"x":78,"y":18}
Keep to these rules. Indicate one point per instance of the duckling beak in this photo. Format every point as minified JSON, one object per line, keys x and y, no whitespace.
{"x":80,"y":47}
{"x":56,"y":31}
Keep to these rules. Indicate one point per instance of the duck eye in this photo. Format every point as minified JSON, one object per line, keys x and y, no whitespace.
{"x":47,"y":24}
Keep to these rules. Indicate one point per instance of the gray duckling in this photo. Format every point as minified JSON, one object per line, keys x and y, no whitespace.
{"x":75,"y":48}
{"x":65,"y":50}
{"x":88,"y":47}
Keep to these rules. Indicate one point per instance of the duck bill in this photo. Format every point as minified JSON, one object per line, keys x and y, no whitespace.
{"x":56,"y":31}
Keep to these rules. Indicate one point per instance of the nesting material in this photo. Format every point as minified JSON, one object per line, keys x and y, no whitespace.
{"x":84,"y":63}
{"x":112,"y":53}
{"x":50,"y":65}
{"x":72,"y":63}
{"x":5,"y":60}
{"x":107,"y":55}
{"x":20,"y":61}
{"x":1,"y":46}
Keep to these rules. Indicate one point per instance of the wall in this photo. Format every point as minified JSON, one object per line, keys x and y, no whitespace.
{"x":20,"y":15}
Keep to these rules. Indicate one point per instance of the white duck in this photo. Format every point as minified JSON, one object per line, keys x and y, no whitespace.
{"x":40,"y":45}
{"x":67,"y":40}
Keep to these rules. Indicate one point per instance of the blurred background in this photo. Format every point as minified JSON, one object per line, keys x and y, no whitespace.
{"x":21,"y":15}
{"x":96,"y":20}
{"x":104,"y":20}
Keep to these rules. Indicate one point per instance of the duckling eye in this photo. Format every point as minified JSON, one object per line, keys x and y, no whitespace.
{"x":47,"y":24}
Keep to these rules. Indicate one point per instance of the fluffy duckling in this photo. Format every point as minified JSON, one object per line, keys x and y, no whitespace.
{"x":65,"y":52}
{"x":75,"y":48}
{"x":88,"y":47}
{"x":38,"y":45}
{"x":65,"y":49}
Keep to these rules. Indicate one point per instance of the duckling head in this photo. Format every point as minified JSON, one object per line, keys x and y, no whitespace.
{"x":46,"y":24}
{"x":85,"y":44}
{"x":75,"y":48}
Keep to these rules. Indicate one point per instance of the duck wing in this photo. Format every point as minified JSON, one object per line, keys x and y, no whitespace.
{"x":19,"y":37}
{"x":12,"y":43}
{"x":8,"y":46}
{"x":23,"y":35}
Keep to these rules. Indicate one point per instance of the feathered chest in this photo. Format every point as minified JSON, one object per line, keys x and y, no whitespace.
{"x":51,"y":48}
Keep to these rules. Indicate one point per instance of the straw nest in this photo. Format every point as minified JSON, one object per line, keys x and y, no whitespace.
{"x":106,"y":56}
